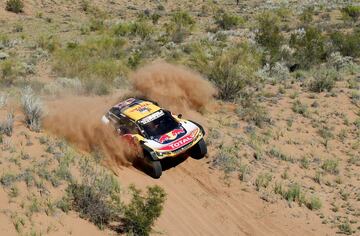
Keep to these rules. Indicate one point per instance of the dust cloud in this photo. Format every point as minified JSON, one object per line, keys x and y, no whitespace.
{"x":77,"y":119}
{"x":174,"y":87}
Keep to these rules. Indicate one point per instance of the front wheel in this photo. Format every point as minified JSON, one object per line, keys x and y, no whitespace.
{"x":199,"y":150}
{"x":154,"y":168}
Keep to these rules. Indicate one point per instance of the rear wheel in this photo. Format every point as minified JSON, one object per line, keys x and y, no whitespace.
{"x":153,"y":167}
{"x":199,"y":150}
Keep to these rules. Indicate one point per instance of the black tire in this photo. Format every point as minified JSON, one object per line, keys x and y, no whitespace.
{"x":199,"y":150}
{"x":154,"y":168}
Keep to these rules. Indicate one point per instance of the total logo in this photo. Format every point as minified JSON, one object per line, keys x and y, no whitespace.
{"x":171,"y":135}
{"x":178,"y":144}
{"x":181,"y":142}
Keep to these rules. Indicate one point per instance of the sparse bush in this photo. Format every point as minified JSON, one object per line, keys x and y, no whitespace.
{"x":96,"y":24}
{"x":295,"y":194}
{"x":90,"y":204}
{"x":292,"y":194}
{"x":253,"y":112}
{"x":269,"y":35}
{"x":227,"y":21}
{"x":14,"y":192}
{"x":140,"y":214}
{"x":243,"y":172}
{"x":355,"y":97}
{"x":3,"y":100}
{"x":141,"y":28}
{"x":9,"y":71}
{"x":352,"y":12}
{"x":326,"y":133}
{"x":278,"y":154}
{"x":337,"y":61}
{"x":33,"y":109}
{"x":306,"y":16}
{"x":309,"y":47}
{"x":300,"y":108}
{"x":15,"y":6}
{"x":49,"y":43}
{"x":305,"y":162}
{"x":314,"y":203}
{"x":180,"y":26}
{"x":7,"y":179}
{"x":6,"y":127}
{"x":348,"y":44}
{"x":331,"y":166}
{"x":73,"y":85}
{"x":263,"y":180}
{"x":345,"y":228}
{"x":226,"y":160}
{"x":324,"y":80}
{"x":96,"y":62}
{"x":232,"y":71}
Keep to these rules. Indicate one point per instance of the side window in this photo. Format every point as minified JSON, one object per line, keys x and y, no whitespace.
{"x":116,"y":112}
{"x":128,"y":127}
{"x":133,"y":128}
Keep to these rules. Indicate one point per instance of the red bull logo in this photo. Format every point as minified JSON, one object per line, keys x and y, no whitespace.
{"x":171,"y":135}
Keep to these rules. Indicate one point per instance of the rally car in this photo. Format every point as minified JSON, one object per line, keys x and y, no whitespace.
{"x":160,"y":133}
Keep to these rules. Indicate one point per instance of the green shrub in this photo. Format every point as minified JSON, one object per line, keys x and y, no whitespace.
{"x":227,"y":21}
{"x":345,"y":228}
{"x":6,"y":127}
{"x":180,"y":26}
{"x":122,"y":29}
{"x":232,"y":70}
{"x":143,"y":29}
{"x":300,"y":108}
{"x":15,"y":6}
{"x":9,"y":71}
{"x":348,"y":44}
{"x":294,"y":194}
{"x":324,"y":80}
{"x":326,"y":133}
{"x":306,"y":16}
{"x":140,"y":214}
{"x":226,"y":160}
{"x":255,"y":113}
{"x":269,"y":35}
{"x":140,"y":28}
{"x":96,"y":62}
{"x":305,"y":162}
{"x":309,"y":47}
{"x":351,"y":11}
{"x":7,"y":179}
{"x":90,"y":204}
{"x":263,"y":180}
{"x":279,"y":155}
{"x":33,"y":109}
{"x":331,"y":166}
{"x":49,"y":43}
{"x":314,"y":203}
{"x":96,"y":24}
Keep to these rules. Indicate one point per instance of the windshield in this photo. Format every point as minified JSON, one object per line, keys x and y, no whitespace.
{"x":162,"y":124}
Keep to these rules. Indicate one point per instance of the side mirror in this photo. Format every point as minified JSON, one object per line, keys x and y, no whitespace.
{"x":179,"y":116}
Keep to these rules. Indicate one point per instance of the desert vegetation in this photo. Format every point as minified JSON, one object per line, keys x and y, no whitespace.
{"x":286,"y":125}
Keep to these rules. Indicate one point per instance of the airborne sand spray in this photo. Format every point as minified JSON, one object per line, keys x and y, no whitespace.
{"x":77,"y":119}
{"x":174,"y":87}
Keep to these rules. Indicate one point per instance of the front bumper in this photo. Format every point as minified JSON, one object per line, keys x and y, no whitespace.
{"x":181,"y":150}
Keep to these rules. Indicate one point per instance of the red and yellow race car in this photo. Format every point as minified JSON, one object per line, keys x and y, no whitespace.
{"x":160,"y":134}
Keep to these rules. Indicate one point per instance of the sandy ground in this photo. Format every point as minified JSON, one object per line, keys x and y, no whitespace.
{"x":199,"y":203}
